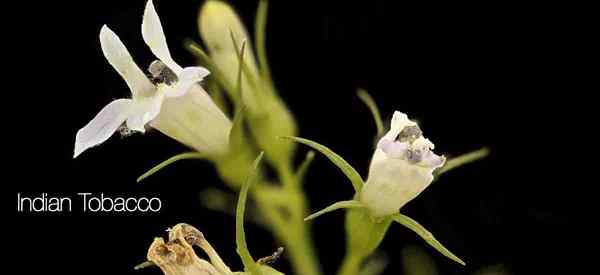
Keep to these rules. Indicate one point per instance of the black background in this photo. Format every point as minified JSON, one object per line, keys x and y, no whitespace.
{"x":503,"y":75}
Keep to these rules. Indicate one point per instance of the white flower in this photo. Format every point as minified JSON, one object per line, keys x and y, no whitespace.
{"x":402,"y":167}
{"x":170,"y":101}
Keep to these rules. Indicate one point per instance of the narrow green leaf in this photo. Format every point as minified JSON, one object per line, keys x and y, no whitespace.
{"x":260,"y":28}
{"x":335,"y":206}
{"x":240,"y":235}
{"x":425,"y":235}
{"x":236,"y":136}
{"x":301,"y":172}
{"x":240,"y":55}
{"x":370,"y":102}
{"x":463,"y":159}
{"x":246,"y":70}
{"x":190,"y":155}
{"x":342,"y":164}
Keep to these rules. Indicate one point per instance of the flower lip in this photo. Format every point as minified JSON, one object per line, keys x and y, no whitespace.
{"x":405,"y":141}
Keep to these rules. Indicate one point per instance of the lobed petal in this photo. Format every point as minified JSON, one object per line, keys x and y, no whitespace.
{"x":154,"y":36}
{"x":101,"y":127}
{"x":117,"y":55}
{"x":188,"y":77}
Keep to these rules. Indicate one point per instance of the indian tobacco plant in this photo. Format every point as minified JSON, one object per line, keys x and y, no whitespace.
{"x":173,"y":100}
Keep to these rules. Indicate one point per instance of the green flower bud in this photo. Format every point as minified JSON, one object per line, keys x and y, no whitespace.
{"x":267,"y":115}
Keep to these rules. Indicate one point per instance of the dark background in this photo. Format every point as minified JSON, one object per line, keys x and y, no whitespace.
{"x":504,"y":75}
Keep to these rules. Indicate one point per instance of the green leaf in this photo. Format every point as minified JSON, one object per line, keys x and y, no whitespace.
{"x":336,"y":206}
{"x":240,"y":54}
{"x":346,"y":168}
{"x":425,"y":235}
{"x":368,"y":100}
{"x":236,"y":136}
{"x":240,"y":235}
{"x":243,"y":67}
{"x":462,"y":160}
{"x":189,"y":155}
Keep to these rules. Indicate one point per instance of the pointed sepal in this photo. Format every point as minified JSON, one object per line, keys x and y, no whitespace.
{"x":335,"y":206}
{"x":425,"y":235}
{"x":347,"y":169}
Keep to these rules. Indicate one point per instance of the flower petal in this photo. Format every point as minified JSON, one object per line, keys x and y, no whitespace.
{"x":399,"y":121}
{"x":186,"y":79}
{"x":143,"y":111}
{"x":393,"y":149}
{"x":117,"y":55}
{"x":393,"y":183}
{"x":153,"y":35}
{"x":106,"y":122}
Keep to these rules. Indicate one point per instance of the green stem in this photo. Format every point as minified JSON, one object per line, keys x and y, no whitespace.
{"x":351,"y":264}
{"x":286,"y":223}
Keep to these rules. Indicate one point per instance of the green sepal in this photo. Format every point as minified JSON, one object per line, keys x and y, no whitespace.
{"x":171,"y":160}
{"x":303,"y":168}
{"x":335,"y":206}
{"x":370,"y":102}
{"x":425,"y":235}
{"x":342,"y":164}
{"x":462,"y":160}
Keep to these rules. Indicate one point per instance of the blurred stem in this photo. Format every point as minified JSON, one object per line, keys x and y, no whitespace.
{"x":294,"y":234}
{"x":351,"y":264}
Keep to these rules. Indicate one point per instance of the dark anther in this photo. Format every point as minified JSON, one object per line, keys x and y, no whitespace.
{"x":409,"y":133}
{"x":160,"y":73}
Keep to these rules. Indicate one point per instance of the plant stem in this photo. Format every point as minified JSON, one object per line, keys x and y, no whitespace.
{"x":351,"y":264}
{"x":287,"y":224}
